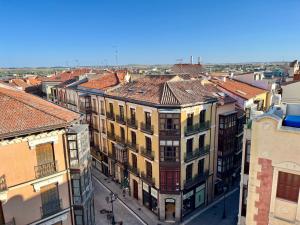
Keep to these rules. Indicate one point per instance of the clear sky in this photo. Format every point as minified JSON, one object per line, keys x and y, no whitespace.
{"x":88,"y":32}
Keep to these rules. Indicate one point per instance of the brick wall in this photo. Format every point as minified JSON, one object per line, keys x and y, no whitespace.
{"x":264,"y":191}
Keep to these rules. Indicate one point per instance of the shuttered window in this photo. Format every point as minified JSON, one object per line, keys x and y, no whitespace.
{"x":44,"y":153}
{"x":288,"y":186}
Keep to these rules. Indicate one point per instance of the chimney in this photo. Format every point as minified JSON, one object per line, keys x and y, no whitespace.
{"x":191,"y":59}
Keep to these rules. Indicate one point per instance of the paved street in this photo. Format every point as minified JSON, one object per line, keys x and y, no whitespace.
{"x":121,"y":213}
{"x":213,"y":216}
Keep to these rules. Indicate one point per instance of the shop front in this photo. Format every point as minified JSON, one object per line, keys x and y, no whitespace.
{"x":150,"y":196}
{"x":193,"y":198}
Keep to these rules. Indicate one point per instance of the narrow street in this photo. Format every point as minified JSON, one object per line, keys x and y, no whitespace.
{"x":214,"y":214}
{"x":120,"y":211}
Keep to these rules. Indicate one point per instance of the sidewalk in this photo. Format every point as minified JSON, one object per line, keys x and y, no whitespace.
{"x":138,"y":209}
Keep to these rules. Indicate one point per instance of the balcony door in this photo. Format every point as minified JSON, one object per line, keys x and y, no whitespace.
{"x":190,"y":119}
{"x":44,"y":153}
{"x":189,"y":146}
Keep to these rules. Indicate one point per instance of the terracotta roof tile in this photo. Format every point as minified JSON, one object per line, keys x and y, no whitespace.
{"x":104,"y":81}
{"x":240,"y":89}
{"x":21,"y":112}
{"x":67,"y":75}
{"x":193,"y":69}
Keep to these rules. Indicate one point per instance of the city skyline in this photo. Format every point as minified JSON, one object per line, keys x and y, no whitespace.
{"x":71,"y":33}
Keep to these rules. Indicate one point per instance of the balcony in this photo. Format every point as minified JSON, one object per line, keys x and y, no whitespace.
{"x":45,"y":169}
{"x":147,"y":128}
{"x":111,"y":136}
{"x":169,"y":133}
{"x":51,"y":207}
{"x":133,"y":146}
{"x":189,"y":156}
{"x":121,"y":119}
{"x":3,"y":186}
{"x":196,"y":128}
{"x":132,"y":123}
{"x":147,"y":153}
{"x":147,"y":178}
{"x":195,"y":180}
{"x":110,"y":116}
{"x":121,"y":141}
{"x":134,"y":170}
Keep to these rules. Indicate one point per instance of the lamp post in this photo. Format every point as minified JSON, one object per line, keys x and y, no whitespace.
{"x":224,"y":198}
{"x":110,"y":199}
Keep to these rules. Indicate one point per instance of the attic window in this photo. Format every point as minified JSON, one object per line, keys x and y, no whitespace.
{"x":241,"y":92}
{"x":141,"y":91}
{"x":130,"y":89}
{"x":189,"y":91}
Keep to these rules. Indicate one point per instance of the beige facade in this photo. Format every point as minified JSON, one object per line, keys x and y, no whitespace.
{"x":274,"y":159}
{"x":26,"y":178}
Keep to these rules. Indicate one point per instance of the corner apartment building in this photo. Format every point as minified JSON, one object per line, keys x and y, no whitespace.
{"x":157,"y":135}
{"x":36,"y":186}
{"x":274,"y":174}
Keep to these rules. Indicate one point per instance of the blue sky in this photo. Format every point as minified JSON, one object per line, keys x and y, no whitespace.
{"x":87,"y":32}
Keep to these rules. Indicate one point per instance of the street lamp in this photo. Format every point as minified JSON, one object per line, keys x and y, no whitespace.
{"x":110,"y":199}
{"x":224,"y":198}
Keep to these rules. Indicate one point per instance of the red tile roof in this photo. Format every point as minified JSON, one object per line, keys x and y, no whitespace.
{"x":67,"y":75}
{"x":105,"y":81}
{"x":23,"y":113}
{"x":193,"y":69}
{"x":240,"y":89}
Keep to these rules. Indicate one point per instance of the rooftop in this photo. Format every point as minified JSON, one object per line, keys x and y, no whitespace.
{"x":23,"y":113}
{"x":67,"y":75}
{"x":166,"y":90}
{"x":192,"y":69}
{"x":238,"y":88}
{"x":105,"y":81}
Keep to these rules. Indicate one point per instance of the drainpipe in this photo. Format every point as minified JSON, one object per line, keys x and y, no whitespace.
{"x":69,"y":177}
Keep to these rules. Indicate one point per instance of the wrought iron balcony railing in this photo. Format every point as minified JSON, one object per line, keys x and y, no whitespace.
{"x":134,"y":170}
{"x":45,"y":169}
{"x":147,"y":128}
{"x":111,"y":136}
{"x":121,"y":141}
{"x":195,"y":180}
{"x":133,"y":146}
{"x":110,"y":116}
{"x":3,"y":185}
{"x":132,"y":123}
{"x":196,"y":128}
{"x":51,"y":207}
{"x":147,"y":153}
{"x":147,"y":178}
{"x":120,"y":119}
{"x":189,"y":156}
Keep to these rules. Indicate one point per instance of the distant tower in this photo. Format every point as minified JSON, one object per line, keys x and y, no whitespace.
{"x":191,"y":59}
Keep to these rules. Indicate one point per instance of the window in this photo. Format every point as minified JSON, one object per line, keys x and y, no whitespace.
{"x":94,"y":105}
{"x":202,"y":116}
{"x":189,"y":145}
{"x":112,"y":129}
{"x":50,"y":199}
{"x":122,"y":130}
{"x":148,"y":144}
{"x":288,"y":186}
{"x":190,"y":119}
{"x":121,"y":108}
{"x":111,"y":108}
{"x":133,"y":137}
{"x":102,"y":107}
{"x":45,"y":154}
{"x":201,"y":141}
{"x":200,"y":166}
{"x":132,"y":114}
{"x":189,"y":172}
{"x":134,"y":160}
{"x":169,"y":151}
{"x":148,"y":118}
{"x":169,"y":121}
{"x":148,"y":169}
{"x":169,"y":180}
